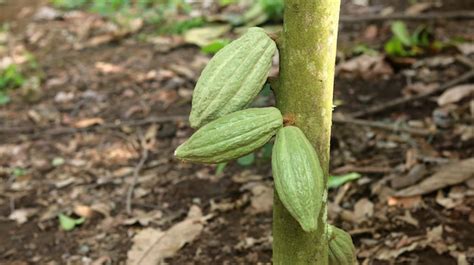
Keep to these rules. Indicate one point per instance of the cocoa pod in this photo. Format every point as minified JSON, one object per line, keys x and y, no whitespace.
{"x":231,"y":136}
{"x":341,"y":248}
{"x":233,"y":77}
{"x":298,"y":176}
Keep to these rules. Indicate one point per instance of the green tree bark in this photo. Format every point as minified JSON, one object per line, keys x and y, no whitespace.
{"x":305,"y":96}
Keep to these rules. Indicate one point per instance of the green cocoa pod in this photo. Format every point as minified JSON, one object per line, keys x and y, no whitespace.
{"x":231,"y":136}
{"x":233,"y":77}
{"x":341,"y":248}
{"x":298,"y":176}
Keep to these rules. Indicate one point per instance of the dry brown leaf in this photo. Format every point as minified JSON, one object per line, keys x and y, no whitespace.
{"x":83,"y":211}
{"x":363,"y":209}
{"x":448,"y":175}
{"x":151,"y":246}
{"x":108,"y":68}
{"x":408,"y":218}
{"x":419,"y":88}
{"x":446,"y":202}
{"x":84,"y":123}
{"x":419,"y":8}
{"x":466,"y":48}
{"x":262,"y":199}
{"x":366,"y":66}
{"x":20,"y":216}
{"x":391,"y":254}
{"x":456,"y":94}
{"x":406,"y":202}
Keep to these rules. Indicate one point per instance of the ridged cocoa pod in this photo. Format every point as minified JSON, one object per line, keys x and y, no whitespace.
{"x":233,"y":77}
{"x":298,"y":176}
{"x":231,"y":136}
{"x":341,"y":248}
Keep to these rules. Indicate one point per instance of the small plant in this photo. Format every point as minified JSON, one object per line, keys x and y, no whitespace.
{"x":263,"y":10}
{"x":227,"y":129}
{"x":180,"y":27}
{"x":10,"y":78}
{"x":403,"y":43}
{"x":69,"y":4}
{"x":215,"y":46}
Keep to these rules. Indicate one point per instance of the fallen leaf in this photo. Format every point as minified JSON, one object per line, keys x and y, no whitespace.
{"x":84,"y":123}
{"x":108,"y":68}
{"x":414,"y":175}
{"x":262,"y":199}
{"x":446,"y":202}
{"x":47,"y":13}
{"x":466,"y":48}
{"x":462,"y":259}
{"x":83,"y":211}
{"x":68,"y":223}
{"x":337,"y":181}
{"x":143,"y":218}
{"x":405,"y":202}
{"x":391,"y":254}
{"x":408,"y":218}
{"x":419,"y":88}
{"x":435,"y":239}
{"x":205,"y":35}
{"x":456,"y":94}
{"x":363,"y":209}
{"x":448,"y":175}
{"x":20,"y":216}
{"x":419,"y":8}
{"x":151,"y":246}
{"x":366,"y":66}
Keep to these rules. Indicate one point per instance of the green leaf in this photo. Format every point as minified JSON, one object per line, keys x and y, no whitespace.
{"x":58,"y":161}
{"x":400,"y":31}
{"x":220,"y":168}
{"x":394,"y":47}
{"x":267,"y":150}
{"x":4,"y":98}
{"x":364,"y":49}
{"x":337,"y":181}
{"x":69,"y":4}
{"x":226,"y":2}
{"x":273,"y":8}
{"x":215,"y":46}
{"x":68,"y":223}
{"x":247,"y":160}
{"x":18,"y":172}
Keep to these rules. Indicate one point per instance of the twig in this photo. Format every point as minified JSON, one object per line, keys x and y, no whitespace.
{"x":68,"y":130}
{"x":404,"y":16}
{"x":400,"y":101}
{"x":465,"y":60}
{"x":381,"y":125}
{"x":136,"y":171}
{"x":361,"y":169}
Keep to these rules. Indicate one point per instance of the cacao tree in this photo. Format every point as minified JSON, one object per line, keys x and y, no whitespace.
{"x":226,"y":130}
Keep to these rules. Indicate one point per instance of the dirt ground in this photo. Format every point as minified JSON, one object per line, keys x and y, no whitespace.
{"x":108,"y":100}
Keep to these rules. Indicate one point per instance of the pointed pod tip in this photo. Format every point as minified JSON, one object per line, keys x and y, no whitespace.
{"x":309,"y":226}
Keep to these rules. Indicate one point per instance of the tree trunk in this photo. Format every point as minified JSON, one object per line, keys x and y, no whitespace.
{"x":305,"y":96}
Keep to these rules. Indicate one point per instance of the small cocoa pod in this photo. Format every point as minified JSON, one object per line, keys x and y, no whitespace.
{"x":341,"y":248}
{"x":298,"y":176}
{"x":231,"y":136}
{"x":233,"y":77}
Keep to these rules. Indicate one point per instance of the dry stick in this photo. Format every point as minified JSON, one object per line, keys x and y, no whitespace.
{"x":404,"y":16}
{"x":465,"y":60}
{"x":136,"y":170}
{"x":401,"y":101}
{"x":66,"y":130}
{"x":381,"y":125}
